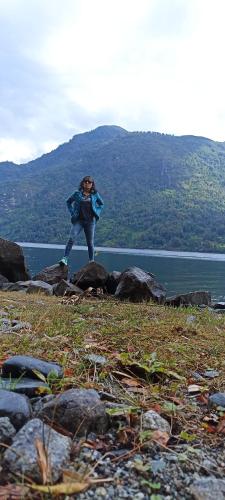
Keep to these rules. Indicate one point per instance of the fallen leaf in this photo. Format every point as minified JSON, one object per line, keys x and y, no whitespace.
{"x":42,"y":459}
{"x":68,"y":372}
{"x":221,"y":427}
{"x":161,"y":437}
{"x":61,"y":488}
{"x":131,"y":382}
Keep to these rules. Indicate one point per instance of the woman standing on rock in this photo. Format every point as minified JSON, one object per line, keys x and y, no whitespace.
{"x":85,"y":207}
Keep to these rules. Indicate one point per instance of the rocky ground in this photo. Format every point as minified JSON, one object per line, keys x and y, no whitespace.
{"x":155,"y":421}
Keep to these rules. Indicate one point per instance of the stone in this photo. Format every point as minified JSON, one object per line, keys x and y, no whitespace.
{"x":197,"y":298}
{"x":66,"y":288}
{"x":27,"y":365}
{"x":16,"y":407}
{"x":92,"y":275}
{"x":80,"y":411}
{"x":39,"y":286}
{"x":7,"y":431}
{"x":12,"y":264}
{"x":208,"y":488}
{"x":96,"y":359}
{"x":38,"y":403}
{"x":27,"y":386}
{"x":151,"y":420}
{"x":25,"y":461}
{"x":219,"y":305}
{"x":20,"y":325}
{"x":28,"y":287}
{"x":137,"y":286}
{"x":3,"y":279}
{"x":217,"y":399}
{"x":53,"y":274}
{"x":210,"y":374}
{"x":112,"y":282}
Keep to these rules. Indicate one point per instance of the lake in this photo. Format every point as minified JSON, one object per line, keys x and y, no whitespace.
{"x":179,"y":272}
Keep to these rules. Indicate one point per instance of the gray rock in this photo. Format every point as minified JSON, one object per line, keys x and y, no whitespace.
{"x":16,"y":407}
{"x":95,"y":359}
{"x":92,"y":275}
{"x":151,"y":420}
{"x":210,"y":374}
{"x":3,"y":279}
{"x":208,"y":488}
{"x":219,"y":305}
{"x":39,"y":402}
{"x":22,"y":457}
{"x":80,"y":411}
{"x":7,"y":431}
{"x":39,"y":286}
{"x":25,"y":365}
{"x":12,"y":264}
{"x":53,"y":274}
{"x":136,"y":285}
{"x":217,"y":399}
{"x":66,"y":288}
{"x":27,"y":386}
{"x":189,"y":299}
{"x":190,"y":319}
{"x":21,"y":325}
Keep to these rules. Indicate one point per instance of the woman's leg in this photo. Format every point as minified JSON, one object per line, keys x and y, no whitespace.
{"x":89,"y":230}
{"x":75,"y":230}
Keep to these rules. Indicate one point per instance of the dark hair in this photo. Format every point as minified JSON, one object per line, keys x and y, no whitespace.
{"x":88,"y":178}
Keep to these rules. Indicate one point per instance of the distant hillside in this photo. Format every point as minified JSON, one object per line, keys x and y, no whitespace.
{"x":160,"y":191}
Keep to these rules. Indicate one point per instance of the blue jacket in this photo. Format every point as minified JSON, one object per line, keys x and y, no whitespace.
{"x":73,"y":204}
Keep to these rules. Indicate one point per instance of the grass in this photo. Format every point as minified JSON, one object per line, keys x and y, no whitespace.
{"x":160,"y":338}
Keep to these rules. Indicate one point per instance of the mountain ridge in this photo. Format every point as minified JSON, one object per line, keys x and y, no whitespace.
{"x":161,"y":191}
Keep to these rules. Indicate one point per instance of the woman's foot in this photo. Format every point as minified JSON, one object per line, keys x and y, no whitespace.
{"x":63,"y":261}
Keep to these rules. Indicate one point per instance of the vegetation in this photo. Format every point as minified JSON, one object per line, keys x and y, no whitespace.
{"x":151,"y":351}
{"x":160,"y":191}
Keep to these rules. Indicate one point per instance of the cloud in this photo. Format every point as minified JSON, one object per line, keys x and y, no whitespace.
{"x":70,"y":66}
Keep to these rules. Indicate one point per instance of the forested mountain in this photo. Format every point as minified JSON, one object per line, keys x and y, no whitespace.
{"x":160,"y":191}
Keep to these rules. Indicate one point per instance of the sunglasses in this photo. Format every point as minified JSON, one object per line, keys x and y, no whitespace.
{"x":89,"y":182}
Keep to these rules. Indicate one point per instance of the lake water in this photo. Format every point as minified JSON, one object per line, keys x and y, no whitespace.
{"x":179,"y":272}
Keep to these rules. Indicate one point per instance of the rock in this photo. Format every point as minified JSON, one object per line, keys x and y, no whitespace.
{"x":190,"y":319}
{"x":27,"y":386}
{"x":210,"y":374}
{"x":25,"y":460}
{"x":92,"y":275}
{"x":12,"y":264}
{"x":112,"y":282}
{"x":7,"y":431}
{"x":14,"y":406}
{"x":189,"y":299}
{"x":136,"y":285}
{"x":217,"y":399}
{"x":28,"y":286}
{"x":26,"y":365}
{"x":20,"y":325}
{"x":80,"y":411}
{"x":208,"y":488}
{"x":95,"y":359}
{"x":219,"y":305}
{"x":38,"y":403}
{"x":53,"y":274}
{"x":151,"y":420}
{"x":66,"y":288}
{"x":3,"y":279}
{"x":39,"y":286}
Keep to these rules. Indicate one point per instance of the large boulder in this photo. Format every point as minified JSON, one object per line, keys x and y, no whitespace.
{"x":53,"y":274}
{"x":3,"y":279}
{"x":80,"y":411}
{"x":23,"y":457}
{"x":137,"y":285}
{"x":93,"y":274}
{"x":66,"y":288}
{"x":189,"y":299}
{"x":12,"y":264}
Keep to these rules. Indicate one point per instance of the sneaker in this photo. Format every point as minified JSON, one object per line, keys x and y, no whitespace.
{"x":63,"y":261}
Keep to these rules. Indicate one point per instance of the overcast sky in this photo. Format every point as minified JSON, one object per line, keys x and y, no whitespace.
{"x":68,"y":66}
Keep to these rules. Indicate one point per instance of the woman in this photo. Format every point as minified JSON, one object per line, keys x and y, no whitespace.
{"x":85,"y":207}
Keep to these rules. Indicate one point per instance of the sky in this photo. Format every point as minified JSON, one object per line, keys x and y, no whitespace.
{"x":70,"y":66}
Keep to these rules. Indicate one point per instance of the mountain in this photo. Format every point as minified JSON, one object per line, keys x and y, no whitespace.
{"x":160,"y":191}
